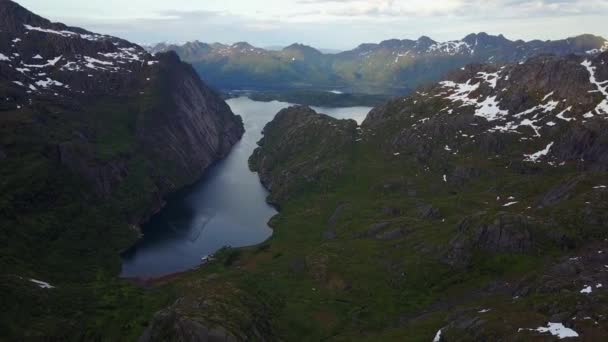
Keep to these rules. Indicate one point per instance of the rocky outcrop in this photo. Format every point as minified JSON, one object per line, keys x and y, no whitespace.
{"x":294,"y":131}
{"x":505,"y":234}
{"x":169,"y":325}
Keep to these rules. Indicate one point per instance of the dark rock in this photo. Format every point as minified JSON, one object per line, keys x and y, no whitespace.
{"x":297,"y":266}
{"x":390,"y":235}
{"x":559,"y":193}
{"x":330,"y":233}
{"x":463,"y":174}
{"x":506,"y":234}
{"x":169,"y":325}
{"x":560,"y":317}
{"x":586,"y":144}
{"x":375,"y":229}
{"x":390,"y":211}
{"x":103,"y":175}
{"x":428,"y":212}
{"x":566,"y":269}
{"x":337,"y":214}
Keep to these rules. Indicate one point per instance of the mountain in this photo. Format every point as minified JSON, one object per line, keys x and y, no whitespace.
{"x":390,"y":67}
{"x":473,"y":210}
{"x":94,"y":132}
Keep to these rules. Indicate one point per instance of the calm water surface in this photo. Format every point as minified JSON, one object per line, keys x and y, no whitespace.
{"x":226,"y":207}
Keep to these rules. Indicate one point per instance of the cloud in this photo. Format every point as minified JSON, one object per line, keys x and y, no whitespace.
{"x":340,"y":23}
{"x":461,"y":8}
{"x":186,"y":15}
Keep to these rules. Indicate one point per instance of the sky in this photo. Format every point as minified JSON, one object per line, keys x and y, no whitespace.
{"x":329,"y":24}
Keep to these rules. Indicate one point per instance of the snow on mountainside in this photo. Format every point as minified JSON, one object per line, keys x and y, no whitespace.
{"x":541,"y":105}
{"x":39,"y":57}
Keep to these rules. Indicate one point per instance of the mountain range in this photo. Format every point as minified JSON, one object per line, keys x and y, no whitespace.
{"x":393,"y":67}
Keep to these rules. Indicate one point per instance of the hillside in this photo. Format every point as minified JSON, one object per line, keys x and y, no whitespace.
{"x":94,"y":131}
{"x":474,"y":209}
{"x":393,"y":67}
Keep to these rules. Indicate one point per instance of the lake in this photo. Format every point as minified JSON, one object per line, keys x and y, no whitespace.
{"x":227,"y":207}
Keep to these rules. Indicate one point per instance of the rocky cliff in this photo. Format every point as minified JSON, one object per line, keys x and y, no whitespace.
{"x":171,"y":116}
{"x":94,"y":131}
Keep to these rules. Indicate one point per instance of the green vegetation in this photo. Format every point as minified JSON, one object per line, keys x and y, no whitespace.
{"x":57,"y":227}
{"x":355,"y":256}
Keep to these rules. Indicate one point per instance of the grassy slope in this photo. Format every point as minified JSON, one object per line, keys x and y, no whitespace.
{"x":52,"y":226}
{"x":358,"y":287}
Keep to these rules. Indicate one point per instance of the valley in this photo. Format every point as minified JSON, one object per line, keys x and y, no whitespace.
{"x":482,"y":218}
{"x":227,"y":207}
{"x":409,"y":190}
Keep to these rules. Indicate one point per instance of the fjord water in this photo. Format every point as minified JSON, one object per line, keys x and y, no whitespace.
{"x":226,"y":207}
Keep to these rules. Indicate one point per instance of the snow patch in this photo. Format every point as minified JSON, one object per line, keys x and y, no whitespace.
{"x":490,"y":78}
{"x":555,"y":329}
{"x":536,"y":156}
{"x":48,"y":82}
{"x":490,"y":110}
{"x":602,"y":87}
{"x":450,"y":48}
{"x":42,"y":284}
{"x":437,"y":336}
{"x":562,"y":117}
{"x":50,"y":62}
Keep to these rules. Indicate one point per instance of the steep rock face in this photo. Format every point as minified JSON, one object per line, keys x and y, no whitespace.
{"x":197,"y":129}
{"x":172,"y":116}
{"x":390,"y":67}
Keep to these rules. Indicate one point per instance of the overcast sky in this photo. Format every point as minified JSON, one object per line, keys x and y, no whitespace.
{"x":338,"y":24}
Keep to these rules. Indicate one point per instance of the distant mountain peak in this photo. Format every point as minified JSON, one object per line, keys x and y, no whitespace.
{"x":304,"y":49}
{"x":242,"y":45}
{"x":424,"y":42}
